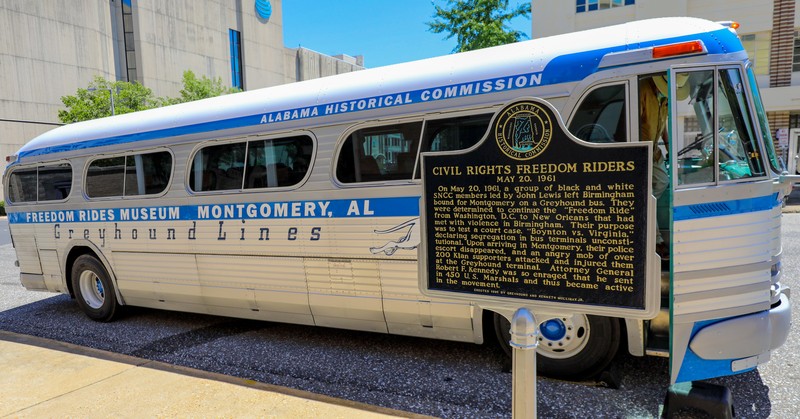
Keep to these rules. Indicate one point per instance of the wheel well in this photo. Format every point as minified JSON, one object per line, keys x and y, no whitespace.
{"x":489,"y":335}
{"x":74,"y":254}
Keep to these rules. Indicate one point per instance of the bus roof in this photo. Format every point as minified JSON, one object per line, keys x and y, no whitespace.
{"x":546,"y":61}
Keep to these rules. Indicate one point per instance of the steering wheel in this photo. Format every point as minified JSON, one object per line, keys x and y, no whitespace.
{"x":594,"y":133}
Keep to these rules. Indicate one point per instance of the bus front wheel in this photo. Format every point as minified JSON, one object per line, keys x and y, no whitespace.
{"x":571,"y":347}
{"x":93,"y":289}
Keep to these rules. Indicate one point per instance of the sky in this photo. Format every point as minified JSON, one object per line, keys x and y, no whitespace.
{"x":383,"y":31}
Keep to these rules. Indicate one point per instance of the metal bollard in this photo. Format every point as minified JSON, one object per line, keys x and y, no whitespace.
{"x":524,"y":340}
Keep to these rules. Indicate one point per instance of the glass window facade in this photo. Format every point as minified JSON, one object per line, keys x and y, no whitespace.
{"x":236,"y":58}
{"x":592,"y":5}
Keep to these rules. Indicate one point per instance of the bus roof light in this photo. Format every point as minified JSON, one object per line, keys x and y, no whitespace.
{"x":692,"y":47}
{"x":730,"y":24}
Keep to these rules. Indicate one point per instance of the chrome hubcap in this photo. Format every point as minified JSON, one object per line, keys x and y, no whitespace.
{"x":563,"y":337}
{"x":92,"y":289}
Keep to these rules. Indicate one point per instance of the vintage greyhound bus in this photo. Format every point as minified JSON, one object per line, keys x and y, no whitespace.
{"x":301,"y":203}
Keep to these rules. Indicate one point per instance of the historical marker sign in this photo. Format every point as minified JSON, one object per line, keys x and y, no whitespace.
{"x":533,"y":217}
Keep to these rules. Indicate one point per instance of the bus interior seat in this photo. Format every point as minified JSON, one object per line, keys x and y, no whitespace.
{"x":209,"y":181}
{"x":256,"y":177}
{"x":405,"y":164}
{"x":230,"y":179}
{"x":369,"y":169}
{"x":299,"y":170}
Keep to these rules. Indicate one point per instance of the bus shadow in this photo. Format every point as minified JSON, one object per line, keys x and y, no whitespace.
{"x":433,"y":377}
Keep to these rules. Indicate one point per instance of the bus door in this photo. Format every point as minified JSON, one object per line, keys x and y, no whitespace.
{"x":724,"y":225}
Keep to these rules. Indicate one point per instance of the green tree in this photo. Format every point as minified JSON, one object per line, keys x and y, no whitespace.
{"x":478,"y":24}
{"x":95,"y":100}
{"x":202,"y":88}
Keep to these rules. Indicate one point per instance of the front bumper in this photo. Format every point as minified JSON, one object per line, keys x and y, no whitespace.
{"x":753,"y":335}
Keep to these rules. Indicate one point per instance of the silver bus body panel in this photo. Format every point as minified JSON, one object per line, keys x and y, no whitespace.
{"x":722,"y":269}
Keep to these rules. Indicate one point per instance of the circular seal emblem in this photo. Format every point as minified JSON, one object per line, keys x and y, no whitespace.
{"x":523,"y":130}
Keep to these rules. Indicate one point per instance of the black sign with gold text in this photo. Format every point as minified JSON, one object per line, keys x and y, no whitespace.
{"x":533,"y":214}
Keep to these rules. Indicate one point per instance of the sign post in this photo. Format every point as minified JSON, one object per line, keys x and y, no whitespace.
{"x":524,"y":340}
{"x":533,"y":218}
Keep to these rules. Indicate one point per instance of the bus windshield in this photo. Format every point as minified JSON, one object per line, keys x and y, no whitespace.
{"x":775,"y":162}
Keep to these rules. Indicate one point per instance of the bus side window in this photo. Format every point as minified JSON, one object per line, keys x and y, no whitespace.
{"x":137,"y":174}
{"x":377,"y":154}
{"x":277,"y":162}
{"x":601,"y":116}
{"x":220,"y":167}
{"x":147,"y":174}
{"x":51,"y":182}
{"x":22,"y":185}
{"x":263,"y":163}
{"x":55,"y":182}
{"x":105,"y":177}
{"x":453,"y":134}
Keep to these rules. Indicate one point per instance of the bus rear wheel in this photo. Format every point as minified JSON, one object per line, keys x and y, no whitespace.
{"x":93,"y":289}
{"x":570,"y":347}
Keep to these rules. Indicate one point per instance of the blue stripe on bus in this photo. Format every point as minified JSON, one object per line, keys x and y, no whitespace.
{"x":342,"y":208}
{"x":561,"y":69}
{"x":717,"y":209}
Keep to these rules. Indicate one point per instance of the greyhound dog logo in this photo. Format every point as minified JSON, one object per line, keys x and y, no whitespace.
{"x":409,"y":241}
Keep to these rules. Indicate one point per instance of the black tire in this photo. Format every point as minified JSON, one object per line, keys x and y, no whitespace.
{"x":589,"y":346}
{"x":93,"y":289}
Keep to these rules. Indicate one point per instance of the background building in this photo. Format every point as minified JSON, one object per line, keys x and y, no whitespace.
{"x":49,"y":49}
{"x":769,"y":31}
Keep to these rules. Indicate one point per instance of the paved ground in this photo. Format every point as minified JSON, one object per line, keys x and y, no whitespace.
{"x":43,"y":378}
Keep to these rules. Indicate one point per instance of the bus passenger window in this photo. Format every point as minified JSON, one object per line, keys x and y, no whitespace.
{"x":22,"y":185}
{"x":218,"y":168}
{"x":55,"y":182}
{"x":601,"y":116}
{"x":38,"y":184}
{"x":147,"y":174}
{"x":138,"y":174}
{"x":453,"y":134}
{"x":379,"y":154}
{"x":277,"y":162}
{"x":267,"y":163}
{"x":105,"y":177}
